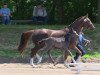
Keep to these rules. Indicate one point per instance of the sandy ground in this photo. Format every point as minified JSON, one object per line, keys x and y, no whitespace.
{"x":45,"y":69}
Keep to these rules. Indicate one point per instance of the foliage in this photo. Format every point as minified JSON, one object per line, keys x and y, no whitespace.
{"x":59,"y":11}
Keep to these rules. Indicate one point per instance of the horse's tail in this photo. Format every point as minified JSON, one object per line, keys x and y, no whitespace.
{"x":24,"y":40}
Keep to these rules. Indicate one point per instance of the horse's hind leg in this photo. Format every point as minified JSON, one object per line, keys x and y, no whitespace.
{"x":48,"y":47}
{"x":50,"y":55}
{"x":39,"y":58}
{"x":33,"y":52}
{"x":31,"y":62}
{"x":65,"y":57}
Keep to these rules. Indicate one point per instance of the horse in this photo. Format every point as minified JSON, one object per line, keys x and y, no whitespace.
{"x":39,"y":34}
{"x":62,"y":43}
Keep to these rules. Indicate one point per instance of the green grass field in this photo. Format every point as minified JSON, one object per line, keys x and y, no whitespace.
{"x":10,"y":37}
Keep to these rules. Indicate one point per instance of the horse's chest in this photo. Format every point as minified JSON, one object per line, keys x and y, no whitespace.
{"x":73,"y":41}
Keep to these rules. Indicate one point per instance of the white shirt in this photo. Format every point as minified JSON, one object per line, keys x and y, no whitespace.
{"x":39,"y":12}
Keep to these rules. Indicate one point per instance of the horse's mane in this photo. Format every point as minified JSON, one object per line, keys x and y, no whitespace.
{"x":74,"y":23}
{"x":65,"y":29}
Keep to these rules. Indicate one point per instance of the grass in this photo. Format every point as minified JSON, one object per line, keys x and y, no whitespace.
{"x":10,"y":37}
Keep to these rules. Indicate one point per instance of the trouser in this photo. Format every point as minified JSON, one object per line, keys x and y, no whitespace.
{"x":39,"y":18}
{"x":5,"y":20}
{"x":81,"y":49}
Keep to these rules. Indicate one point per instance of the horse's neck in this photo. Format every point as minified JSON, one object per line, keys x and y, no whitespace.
{"x":78,"y":29}
{"x":76,"y":26}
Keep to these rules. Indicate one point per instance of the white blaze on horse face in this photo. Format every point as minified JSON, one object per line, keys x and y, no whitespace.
{"x":85,"y":20}
{"x":89,"y":20}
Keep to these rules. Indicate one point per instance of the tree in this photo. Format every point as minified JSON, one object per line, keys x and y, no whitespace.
{"x":52,"y":11}
{"x":60,"y":7}
{"x":98,"y":17}
{"x":59,"y":11}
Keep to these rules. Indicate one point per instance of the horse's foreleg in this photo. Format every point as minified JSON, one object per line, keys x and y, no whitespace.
{"x":78,"y":51}
{"x":65,"y":57}
{"x":71,"y":56}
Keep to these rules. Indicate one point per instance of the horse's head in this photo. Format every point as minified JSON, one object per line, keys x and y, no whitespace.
{"x":81,"y":22}
{"x":86,"y":22}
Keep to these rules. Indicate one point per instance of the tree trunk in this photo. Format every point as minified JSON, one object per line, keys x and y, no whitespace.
{"x":52,"y":12}
{"x":61,"y":11}
{"x":98,"y":17}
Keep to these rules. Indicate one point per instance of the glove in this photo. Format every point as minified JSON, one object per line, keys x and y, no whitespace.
{"x":87,"y":42}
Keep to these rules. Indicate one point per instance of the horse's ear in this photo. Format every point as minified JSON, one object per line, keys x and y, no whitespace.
{"x":86,"y":15}
{"x":72,"y":30}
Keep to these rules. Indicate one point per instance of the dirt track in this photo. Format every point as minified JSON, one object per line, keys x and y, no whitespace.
{"x":42,"y":69}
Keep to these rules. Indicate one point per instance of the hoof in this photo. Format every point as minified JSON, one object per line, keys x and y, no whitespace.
{"x":72,"y":65}
{"x":40,"y":60}
{"x":55,"y":63}
{"x":34,"y":66}
{"x":66,"y":65}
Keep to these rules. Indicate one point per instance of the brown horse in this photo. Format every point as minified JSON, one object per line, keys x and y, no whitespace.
{"x":40,"y":34}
